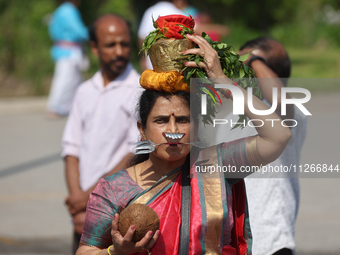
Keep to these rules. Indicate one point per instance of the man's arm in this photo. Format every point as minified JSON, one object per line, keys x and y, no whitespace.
{"x":77,"y":200}
{"x":72,"y":174}
{"x":267,"y":81}
{"x":71,"y":143}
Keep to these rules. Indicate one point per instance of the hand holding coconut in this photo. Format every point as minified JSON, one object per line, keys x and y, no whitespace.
{"x":125,"y":245}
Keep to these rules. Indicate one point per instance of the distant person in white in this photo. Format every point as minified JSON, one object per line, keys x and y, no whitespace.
{"x":101,"y":129}
{"x":161,"y":8}
{"x":273,"y":202}
{"x":69,"y":33}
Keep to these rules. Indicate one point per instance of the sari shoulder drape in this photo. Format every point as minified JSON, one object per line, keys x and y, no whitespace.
{"x":111,"y":195}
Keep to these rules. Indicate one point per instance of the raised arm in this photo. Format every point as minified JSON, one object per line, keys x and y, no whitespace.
{"x":272,"y":136}
{"x":267,"y":80}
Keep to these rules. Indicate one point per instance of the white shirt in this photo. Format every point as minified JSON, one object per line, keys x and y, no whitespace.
{"x":161,"y":8}
{"x":273,"y":202}
{"x":101,"y":127}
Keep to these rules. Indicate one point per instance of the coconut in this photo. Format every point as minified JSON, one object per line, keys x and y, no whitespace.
{"x":142,"y":217}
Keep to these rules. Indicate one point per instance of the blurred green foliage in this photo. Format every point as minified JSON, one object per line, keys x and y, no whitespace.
{"x":310,"y":25}
{"x":24,"y":42}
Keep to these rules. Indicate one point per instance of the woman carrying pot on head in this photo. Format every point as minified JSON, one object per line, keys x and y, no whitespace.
{"x":200,"y":213}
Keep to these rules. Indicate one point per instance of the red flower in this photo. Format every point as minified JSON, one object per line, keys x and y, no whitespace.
{"x":169,"y":25}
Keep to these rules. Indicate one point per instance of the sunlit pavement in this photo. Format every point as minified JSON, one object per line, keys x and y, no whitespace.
{"x":34,"y":220}
{"x":32,"y":187}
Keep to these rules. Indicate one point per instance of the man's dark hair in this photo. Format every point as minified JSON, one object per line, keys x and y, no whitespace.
{"x":278,"y":62}
{"x":93,"y":28}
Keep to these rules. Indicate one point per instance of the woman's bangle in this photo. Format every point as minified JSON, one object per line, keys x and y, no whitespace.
{"x":252,"y":153}
{"x":229,"y":92}
{"x":108,"y":250}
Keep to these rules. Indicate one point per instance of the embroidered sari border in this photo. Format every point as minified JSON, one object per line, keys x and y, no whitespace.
{"x":203,"y":212}
{"x":213,"y":203}
{"x":224,"y":200}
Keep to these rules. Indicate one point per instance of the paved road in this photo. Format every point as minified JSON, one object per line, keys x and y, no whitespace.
{"x":32,"y":187}
{"x":33,"y":219}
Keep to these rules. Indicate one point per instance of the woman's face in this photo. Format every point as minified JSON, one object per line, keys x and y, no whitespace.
{"x":169,"y":116}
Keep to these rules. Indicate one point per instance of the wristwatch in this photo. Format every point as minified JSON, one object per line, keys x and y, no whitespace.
{"x":254,"y":58}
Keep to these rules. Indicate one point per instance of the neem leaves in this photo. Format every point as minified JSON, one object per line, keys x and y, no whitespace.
{"x":231,"y":63}
{"x":232,"y":66}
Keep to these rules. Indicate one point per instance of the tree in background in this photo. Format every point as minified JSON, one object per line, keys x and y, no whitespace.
{"x":25,"y":44}
{"x":24,"y":41}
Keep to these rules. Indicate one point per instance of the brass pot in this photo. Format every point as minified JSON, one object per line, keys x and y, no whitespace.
{"x":165,"y":54}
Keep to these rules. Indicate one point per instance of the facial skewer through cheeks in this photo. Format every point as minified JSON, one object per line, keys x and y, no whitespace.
{"x":147,"y":146}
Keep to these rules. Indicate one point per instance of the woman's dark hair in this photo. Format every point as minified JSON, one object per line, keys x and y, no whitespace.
{"x":147,"y":102}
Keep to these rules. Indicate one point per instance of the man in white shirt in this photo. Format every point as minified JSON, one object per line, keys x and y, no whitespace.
{"x":101,"y":128}
{"x":161,"y":8}
{"x":273,"y":202}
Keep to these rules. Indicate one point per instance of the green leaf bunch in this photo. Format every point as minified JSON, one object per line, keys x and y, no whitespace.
{"x":232,"y":66}
{"x":150,"y":39}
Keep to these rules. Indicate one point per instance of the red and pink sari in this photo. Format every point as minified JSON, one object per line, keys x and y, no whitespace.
{"x":219,"y":221}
